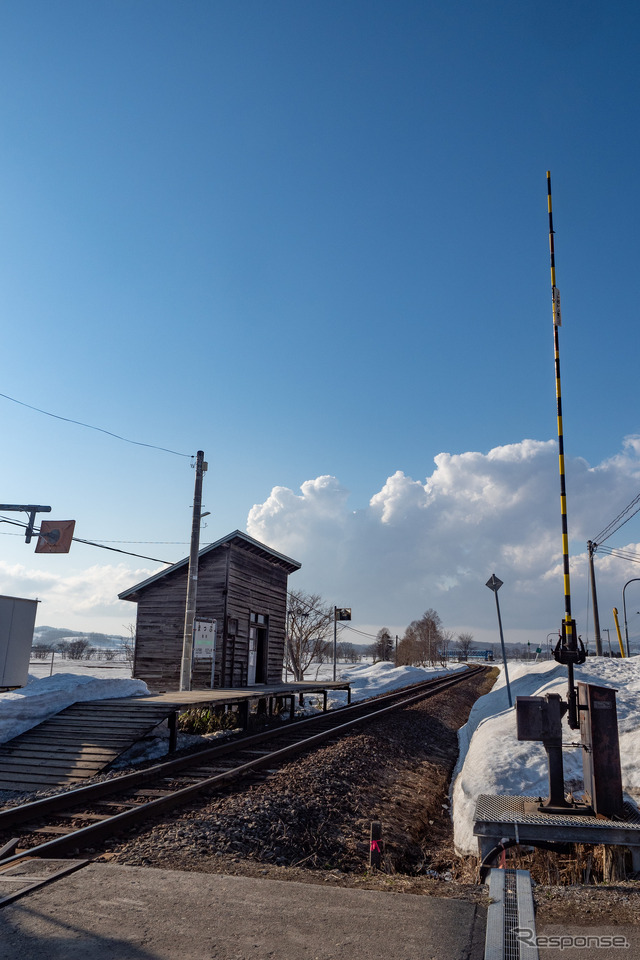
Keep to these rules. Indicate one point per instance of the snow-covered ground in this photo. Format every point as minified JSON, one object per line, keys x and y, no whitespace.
{"x":42,"y":698}
{"x":491,"y":759}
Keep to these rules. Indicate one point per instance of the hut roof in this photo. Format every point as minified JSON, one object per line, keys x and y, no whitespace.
{"x":254,"y":546}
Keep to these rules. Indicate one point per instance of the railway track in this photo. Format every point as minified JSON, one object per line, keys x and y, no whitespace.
{"x":62,"y":825}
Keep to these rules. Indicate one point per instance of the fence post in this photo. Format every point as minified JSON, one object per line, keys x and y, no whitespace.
{"x":375,"y":851}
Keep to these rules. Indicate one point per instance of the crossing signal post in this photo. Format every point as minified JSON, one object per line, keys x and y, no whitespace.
{"x":570,"y":649}
{"x":540,"y":718}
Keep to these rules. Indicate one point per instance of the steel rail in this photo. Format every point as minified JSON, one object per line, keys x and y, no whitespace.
{"x":33,"y":809}
{"x":76,"y":840}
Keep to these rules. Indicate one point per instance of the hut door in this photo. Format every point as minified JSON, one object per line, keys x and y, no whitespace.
{"x":257,"y":648}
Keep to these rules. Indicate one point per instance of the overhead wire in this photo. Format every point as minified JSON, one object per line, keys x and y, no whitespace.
{"x":91,"y":543}
{"x":614,"y":525}
{"x":622,"y":554}
{"x":90,"y":426}
{"x":342,"y":623}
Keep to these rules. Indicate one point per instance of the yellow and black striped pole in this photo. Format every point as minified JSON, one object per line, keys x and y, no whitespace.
{"x":567,"y":650}
{"x":557,"y":321}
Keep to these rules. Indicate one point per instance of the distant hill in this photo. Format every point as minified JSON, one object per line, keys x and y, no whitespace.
{"x":50,"y":636}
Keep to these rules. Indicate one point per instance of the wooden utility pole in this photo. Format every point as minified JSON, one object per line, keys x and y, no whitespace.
{"x":192,"y":578}
{"x":591,"y":549}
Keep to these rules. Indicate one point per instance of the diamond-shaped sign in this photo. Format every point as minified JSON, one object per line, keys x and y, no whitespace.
{"x":55,"y":536}
{"x":494,"y":583}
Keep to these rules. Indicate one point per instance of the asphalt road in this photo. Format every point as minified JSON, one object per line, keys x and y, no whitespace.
{"x":135,"y":913}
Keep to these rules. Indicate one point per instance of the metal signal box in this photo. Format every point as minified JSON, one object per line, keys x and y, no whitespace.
{"x":539,"y":718}
{"x":601,"y":749}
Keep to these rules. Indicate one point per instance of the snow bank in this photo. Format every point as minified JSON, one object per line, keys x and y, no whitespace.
{"x":370,"y":680}
{"x":22,"y":709}
{"x":492,"y":760}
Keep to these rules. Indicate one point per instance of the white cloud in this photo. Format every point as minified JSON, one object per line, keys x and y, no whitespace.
{"x":435,"y":543}
{"x":418,"y":544}
{"x":83,"y":599}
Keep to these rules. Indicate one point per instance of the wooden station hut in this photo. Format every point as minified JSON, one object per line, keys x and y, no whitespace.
{"x":242,"y":585}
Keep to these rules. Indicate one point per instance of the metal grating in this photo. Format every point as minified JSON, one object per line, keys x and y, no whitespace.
{"x":511,"y":950}
{"x":495,"y":809}
{"x":510,"y":910}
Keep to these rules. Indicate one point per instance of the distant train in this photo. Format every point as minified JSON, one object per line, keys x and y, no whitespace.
{"x":478,"y":655}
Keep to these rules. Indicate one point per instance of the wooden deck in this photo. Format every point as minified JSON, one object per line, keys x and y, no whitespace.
{"x":77,"y":743}
{"x":233,"y":695}
{"x":86,"y":737}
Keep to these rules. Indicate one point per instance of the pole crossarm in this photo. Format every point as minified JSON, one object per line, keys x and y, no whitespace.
{"x":31,"y":509}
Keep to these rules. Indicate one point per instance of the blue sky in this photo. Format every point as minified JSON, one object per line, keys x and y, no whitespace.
{"x":310,"y":238}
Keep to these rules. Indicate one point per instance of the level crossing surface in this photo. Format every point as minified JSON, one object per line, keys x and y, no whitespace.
{"x":134,"y":913}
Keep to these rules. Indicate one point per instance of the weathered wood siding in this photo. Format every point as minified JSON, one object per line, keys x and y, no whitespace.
{"x":233,"y":581}
{"x":256,"y":585}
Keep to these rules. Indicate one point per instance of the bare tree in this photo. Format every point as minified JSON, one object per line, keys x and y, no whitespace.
{"x":446,"y":642}
{"x":40,"y":651}
{"x":129,"y":646}
{"x":383,"y":645}
{"x":422,"y":642}
{"x":349,"y":652}
{"x":309,"y":625}
{"x":78,"y":649}
{"x":464,"y":644}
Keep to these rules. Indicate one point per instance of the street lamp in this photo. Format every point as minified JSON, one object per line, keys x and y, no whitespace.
{"x":624,"y":610}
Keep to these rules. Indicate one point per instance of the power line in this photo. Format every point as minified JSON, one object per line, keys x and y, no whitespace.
{"x":622,"y":554}
{"x":343,"y":623}
{"x":371,"y":636}
{"x":615,"y":525}
{"x":90,"y":426}
{"x":102,"y":546}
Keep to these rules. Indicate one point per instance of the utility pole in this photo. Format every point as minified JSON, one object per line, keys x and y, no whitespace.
{"x":192,"y":578}
{"x":591,"y":549}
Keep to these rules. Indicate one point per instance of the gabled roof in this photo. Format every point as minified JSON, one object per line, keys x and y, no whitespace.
{"x":254,"y":546}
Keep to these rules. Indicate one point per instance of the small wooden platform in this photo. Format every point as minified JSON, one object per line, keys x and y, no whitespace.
{"x":232,"y":695}
{"x":77,"y":743}
{"x":86,"y":737}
